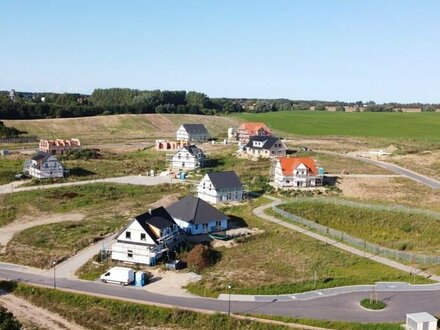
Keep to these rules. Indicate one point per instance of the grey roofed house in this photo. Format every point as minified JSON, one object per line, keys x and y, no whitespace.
{"x":195,"y":151}
{"x":195,"y":128}
{"x":195,"y":210}
{"x":41,"y":156}
{"x":221,"y":180}
{"x":267,"y":142}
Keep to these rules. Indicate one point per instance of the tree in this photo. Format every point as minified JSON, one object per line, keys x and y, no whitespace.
{"x":197,"y":99}
{"x":7,"y":132}
{"x":340,"y":108}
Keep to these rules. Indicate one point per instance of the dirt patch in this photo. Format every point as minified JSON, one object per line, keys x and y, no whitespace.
{"x":35,"y":317}
{"x":166,"y":201}
{"x":390,"y":190}
{"x":235,"y":234}
{"x":427,"y":163}
{"x":331,"y":144}
{"x":171,"y":282}
{"x":63,"y":195}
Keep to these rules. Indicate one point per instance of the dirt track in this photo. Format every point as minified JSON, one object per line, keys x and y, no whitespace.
{"x":33,"y":316}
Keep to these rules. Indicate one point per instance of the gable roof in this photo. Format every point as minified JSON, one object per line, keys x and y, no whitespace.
{"x":41,"y":156}
{"x":268,"y":142}
{"x":252,"y":128}
{"x":195,"y":128}
{"x":193,"y":150}
{"x":222,"y":180}
{"x":288,"y":164}
{"x":158,"y":218}
{"x":195,"y":210}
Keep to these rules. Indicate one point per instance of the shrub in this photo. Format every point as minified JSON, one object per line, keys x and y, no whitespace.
{"x":201,"y":257}
{"x":7,"y":320}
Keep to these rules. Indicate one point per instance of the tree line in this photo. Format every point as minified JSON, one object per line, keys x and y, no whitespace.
{"x":24,"y":105}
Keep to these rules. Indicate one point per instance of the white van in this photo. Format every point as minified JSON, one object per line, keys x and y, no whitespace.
{"x":119,"y":275}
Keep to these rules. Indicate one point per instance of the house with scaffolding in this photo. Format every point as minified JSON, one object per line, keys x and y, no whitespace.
{"x":146,"y":238}
{"x":187,"y":158}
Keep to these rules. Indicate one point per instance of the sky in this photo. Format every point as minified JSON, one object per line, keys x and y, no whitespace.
{"x":346,"y":50}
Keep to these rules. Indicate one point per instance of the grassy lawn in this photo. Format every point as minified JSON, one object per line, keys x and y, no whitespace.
{"x":93,"y":268}
{"x":373,"y":304}
{"x":39,"y":246}
{"x":398,"y":126}
{"x":392,"y":229}
{"x":339,"y":325}
{"x":105,"y":197}
{"x":281,"y":261}
{"x":9,"y":167}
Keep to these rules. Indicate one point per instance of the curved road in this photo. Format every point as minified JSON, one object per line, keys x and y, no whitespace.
{"x":337,"y":307}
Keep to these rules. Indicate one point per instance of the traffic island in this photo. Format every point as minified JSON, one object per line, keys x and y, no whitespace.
{"x":373,"y":305}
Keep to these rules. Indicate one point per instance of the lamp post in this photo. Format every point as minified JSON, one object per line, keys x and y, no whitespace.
{"x":229,"y":300}
{"x":54,"y":277}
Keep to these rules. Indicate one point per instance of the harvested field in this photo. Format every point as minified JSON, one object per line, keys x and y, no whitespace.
{"x":123,"y":128}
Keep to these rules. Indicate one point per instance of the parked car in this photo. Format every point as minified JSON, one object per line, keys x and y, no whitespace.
{"x":118,"y":275}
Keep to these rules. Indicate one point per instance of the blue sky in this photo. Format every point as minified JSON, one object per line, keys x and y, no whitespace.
{"x":344,"y":50}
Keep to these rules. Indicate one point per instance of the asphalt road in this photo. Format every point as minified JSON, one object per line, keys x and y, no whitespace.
{"x":339,"y":307}
{"x":434,"y":184}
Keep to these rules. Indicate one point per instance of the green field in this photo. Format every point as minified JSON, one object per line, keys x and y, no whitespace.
{"x":417,"y":126}
{"x":392,"y":229}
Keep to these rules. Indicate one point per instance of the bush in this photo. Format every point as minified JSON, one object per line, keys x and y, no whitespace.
{"x":7,"y":320}
{"x":201,"y":257}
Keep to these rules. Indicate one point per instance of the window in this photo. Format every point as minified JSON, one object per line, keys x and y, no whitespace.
{"x":130,"y":254}
{"x":128,"y":235}
{"x":143,"y":237}
{"x":197,"y":227}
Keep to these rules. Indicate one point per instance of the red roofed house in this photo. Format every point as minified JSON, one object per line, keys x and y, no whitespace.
{"x":247,"y":130}
{"x":297,"y":172}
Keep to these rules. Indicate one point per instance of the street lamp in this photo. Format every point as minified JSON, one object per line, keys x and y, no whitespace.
{"x":229,"y":300}
{"x":54,"y":277}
